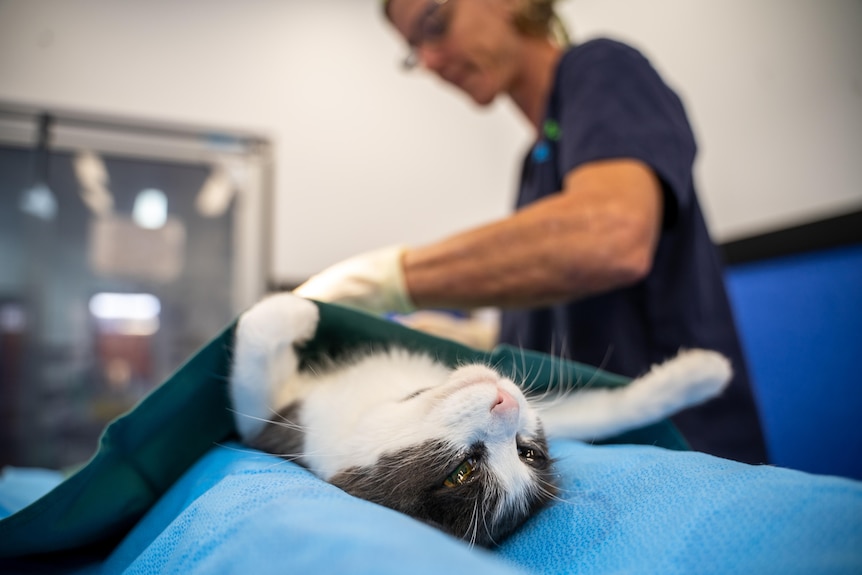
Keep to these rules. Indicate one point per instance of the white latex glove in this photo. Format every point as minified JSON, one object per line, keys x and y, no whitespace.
{"x":373,"y":281}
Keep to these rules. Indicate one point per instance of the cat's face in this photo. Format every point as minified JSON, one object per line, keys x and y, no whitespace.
{"x":465,"y":452}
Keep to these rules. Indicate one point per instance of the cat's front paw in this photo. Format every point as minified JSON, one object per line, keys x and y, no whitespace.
{"x":279,"y":319}
{"x":694,"y":375}
{"x":265,"y":357}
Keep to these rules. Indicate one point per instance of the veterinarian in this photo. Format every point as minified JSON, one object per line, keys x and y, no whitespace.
{"x":607,"y":259}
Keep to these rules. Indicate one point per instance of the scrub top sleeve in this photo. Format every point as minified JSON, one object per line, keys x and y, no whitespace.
{"x":613,"y":104}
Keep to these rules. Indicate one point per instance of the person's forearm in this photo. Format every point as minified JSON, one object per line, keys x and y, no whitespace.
{"x":600,"y":234}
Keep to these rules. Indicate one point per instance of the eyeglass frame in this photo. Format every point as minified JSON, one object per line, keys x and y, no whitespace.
{"x":426,"y":29}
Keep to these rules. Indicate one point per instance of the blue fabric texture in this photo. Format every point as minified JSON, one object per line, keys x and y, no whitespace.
{"x":639,"y":509}
{"x":237,"y":511}
{"x":622,"y":509}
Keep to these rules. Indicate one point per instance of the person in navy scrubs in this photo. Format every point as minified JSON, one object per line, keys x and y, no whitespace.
{"x":607,"y":259}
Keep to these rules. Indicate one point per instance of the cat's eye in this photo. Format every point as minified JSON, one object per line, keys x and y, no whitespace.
{"x":531,"y":456}
{"x":461,"y":474}
{"x":416,"y":393}
{"x":527,"y":453}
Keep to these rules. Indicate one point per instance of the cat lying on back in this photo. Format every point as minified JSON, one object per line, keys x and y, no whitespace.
{"x":462,"y":449}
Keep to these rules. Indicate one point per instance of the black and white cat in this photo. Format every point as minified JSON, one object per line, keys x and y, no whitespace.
{"x":462,"y":449}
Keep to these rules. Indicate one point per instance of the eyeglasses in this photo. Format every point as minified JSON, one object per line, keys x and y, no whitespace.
{"x":431,"y":26}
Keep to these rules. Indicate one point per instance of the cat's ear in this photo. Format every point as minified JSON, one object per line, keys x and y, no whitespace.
{"x":265,"y":357}
{"x":692,"y":377}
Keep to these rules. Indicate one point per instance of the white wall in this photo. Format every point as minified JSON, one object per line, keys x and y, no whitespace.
{"x":368,"y":156}
{"x":774,"y":90}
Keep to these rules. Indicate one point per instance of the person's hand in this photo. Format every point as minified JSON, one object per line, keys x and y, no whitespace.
{"x":373,"y":281}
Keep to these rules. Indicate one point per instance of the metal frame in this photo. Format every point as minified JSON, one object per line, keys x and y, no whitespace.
{"x":169,"y":142}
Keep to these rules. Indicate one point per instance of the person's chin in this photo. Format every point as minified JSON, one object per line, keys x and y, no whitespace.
{"x":480,"y":95}
{"x":483,"y":99}
{"x":477,"y":91}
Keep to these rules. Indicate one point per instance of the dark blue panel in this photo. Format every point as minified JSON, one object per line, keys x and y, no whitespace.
{"x":800,"y":319}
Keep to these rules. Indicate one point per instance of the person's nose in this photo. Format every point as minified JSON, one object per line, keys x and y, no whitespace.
{"x":431,"y":58}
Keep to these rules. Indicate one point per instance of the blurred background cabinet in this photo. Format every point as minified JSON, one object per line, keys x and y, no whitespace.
{"x":124,"y":246}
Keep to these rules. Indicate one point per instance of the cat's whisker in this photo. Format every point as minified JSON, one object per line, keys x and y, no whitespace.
{"x":550,"y":397}
{"x":291,"y":457}
{"x":497,"y":367}
{"x":561,"y":366}
{"x":249,"y":416}
{"x":555,"y":493}
{"x":557,"y":498}
{"x":488,"y":529}
{"x":473,"y":525}
{"x":286,"y":423}
{"x":560,"y":388}
{"x":523,"y":362}
{"x":554,"y":498}
{"x":322,"y":454}
{"x":552,"y":491}
{"x":285,"y":458}
{"x":533,"y":381}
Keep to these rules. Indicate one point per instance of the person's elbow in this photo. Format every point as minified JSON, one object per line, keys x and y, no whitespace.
{"x":623,"y":259}
{"x":631,"y":252}
{"x":634,"y":230}
{"x":636,"y":264}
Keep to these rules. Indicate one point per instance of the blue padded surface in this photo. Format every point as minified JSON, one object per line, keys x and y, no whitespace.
{"x":241,"y":512}
{"x":800,"y":319}
{"x":21,"y":486}
{"x":625,"y":509}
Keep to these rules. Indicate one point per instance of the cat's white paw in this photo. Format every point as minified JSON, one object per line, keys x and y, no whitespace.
{"x":690,"y":378}
{"x":265,"y":358}
{"x":278,"y":320}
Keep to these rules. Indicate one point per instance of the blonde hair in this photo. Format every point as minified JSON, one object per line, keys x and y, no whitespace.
{"x":539,"y":18}
{"x":535,"y":18}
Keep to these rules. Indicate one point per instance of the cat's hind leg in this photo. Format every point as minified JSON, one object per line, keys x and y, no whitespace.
{"x":265,"y":357}
{"x":692,"y":377}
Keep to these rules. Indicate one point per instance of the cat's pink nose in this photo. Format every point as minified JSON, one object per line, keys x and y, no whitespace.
{"x":504,"y":403}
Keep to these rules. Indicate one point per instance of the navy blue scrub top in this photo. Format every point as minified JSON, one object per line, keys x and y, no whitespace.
{"x":608,"y":102}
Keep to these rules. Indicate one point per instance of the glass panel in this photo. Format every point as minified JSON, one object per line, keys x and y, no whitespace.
{"x":98,"y":307}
